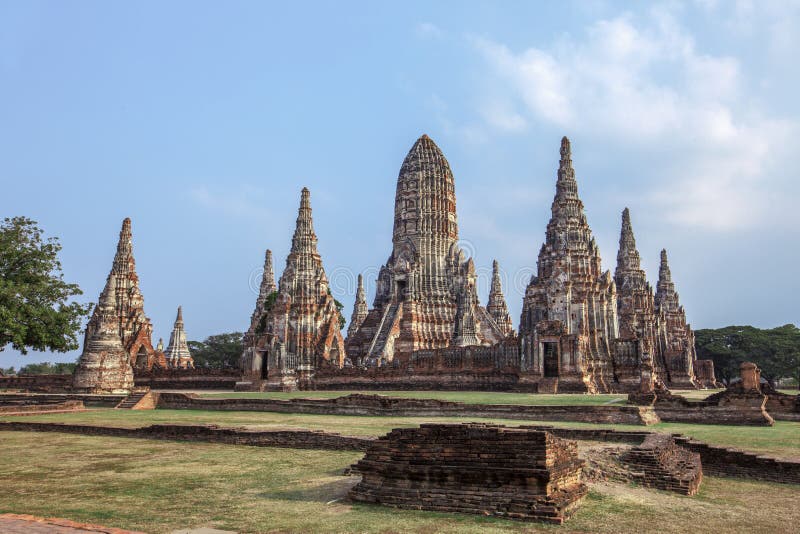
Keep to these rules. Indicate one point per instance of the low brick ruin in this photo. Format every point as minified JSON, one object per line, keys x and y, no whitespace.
{"x":296,"y":439}
{"x":743,"y":403}
{"x":24,"y":408}
{"x":378,"y":405}
{"x":716,"y":460}
{"x":515,"y":473}
{"x":660,"y":463}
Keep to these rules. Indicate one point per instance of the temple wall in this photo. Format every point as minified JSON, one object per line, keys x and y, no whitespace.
{"x":375,"y":405}
{"x":43,"y":383}
{"x":187,"y":378}
{"x":297,"y":439}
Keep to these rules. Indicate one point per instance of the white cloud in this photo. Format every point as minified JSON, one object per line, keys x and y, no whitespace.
{"x":642,"y":81}
{"x":429,"y":30}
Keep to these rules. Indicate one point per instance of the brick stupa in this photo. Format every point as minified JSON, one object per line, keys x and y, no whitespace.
{"x":104,"y":365}
{"x":569,"y":310}
{"x":299,"y":328}
{"x":676,"y":337}
{"x":425,"y":295}
{"x":177,"y":354}
{"x":638,"y":327}
{"x":135,"y":328}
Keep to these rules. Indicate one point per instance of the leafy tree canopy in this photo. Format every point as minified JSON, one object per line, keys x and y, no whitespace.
{"x":776,"y":351}
{"x":34,"y":308}
{"x":220,"y":351}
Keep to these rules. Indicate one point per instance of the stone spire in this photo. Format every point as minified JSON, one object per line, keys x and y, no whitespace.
{"x":104,"y":365}
{"x":177,"y":354}
{"x":627,"y":256}
{"x":360,"y":309}
{"x":666,"y":297}
{"x":300,"y":331}
{"x":304,"y":240}
{"x":267,"y":287}
{"x":636,"y":312}
{"x":676,"y":335}
{"x":496,"y":306}
{"x":425,"y":202}
{"x":466,"y":326}
{"x":135,"y":328}
{"x":566,"y":185}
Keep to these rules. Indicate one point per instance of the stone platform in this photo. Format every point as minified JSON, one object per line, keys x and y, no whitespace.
{"x":514,"y":473}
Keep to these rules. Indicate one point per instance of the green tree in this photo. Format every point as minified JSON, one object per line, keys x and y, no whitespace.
{"x":221,"y":351}
{"x":776,"y":351}
{"x":34,"y":308}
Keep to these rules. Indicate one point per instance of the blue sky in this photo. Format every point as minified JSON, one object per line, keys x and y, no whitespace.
{"x":202,"y":122}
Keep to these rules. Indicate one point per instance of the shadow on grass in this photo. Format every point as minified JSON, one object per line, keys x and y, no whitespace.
{"x":335,"y":490}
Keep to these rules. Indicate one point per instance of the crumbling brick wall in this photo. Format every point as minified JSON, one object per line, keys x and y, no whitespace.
{"x":660,"y":463}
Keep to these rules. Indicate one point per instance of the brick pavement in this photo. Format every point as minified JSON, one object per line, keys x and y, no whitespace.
{"x":28,"y":524}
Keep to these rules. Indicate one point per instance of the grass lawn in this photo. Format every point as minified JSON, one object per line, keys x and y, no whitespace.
{"x":158,"y":486}
{"x":471,"y":397}
{"x":781,"y":440}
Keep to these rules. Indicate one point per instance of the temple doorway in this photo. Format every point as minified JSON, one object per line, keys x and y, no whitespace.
{"x":142,"y":359}
{"x":550,"y":360}
{"x":400,"y":289}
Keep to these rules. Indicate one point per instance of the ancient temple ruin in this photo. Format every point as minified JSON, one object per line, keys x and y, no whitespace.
{"x":496,"y":306}
{"x":425,"y":296}
{"x":580,"y":328}
{"x":569,"y":318}
{"x":177,"y":354}
{"x":104,"y":365}
{"x":266,"y":294}
{"x":636,"y":312}
{"x":360,"y":310}
{"x":135,"y":328}
{"x":296,"y":327}
{"x":676,"y":338}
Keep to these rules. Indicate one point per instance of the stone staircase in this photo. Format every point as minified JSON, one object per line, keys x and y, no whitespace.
{"x":131,"y":400}
{"x":378,"y":344}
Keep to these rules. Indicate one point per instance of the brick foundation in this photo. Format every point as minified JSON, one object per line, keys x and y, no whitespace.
{"x":32,"y":409}
{"x":515,"y":473}
{"x":89,"y":400}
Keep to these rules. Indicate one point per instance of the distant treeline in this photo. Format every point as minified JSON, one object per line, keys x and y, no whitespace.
{"x":43,"y":368}
{"x":775,"y":350}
